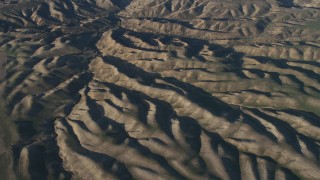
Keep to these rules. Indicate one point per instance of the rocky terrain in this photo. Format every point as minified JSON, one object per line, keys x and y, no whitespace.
{"x":160,"y":89}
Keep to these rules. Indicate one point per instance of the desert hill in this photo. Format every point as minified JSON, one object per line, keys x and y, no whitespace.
{"x":163,"y":89}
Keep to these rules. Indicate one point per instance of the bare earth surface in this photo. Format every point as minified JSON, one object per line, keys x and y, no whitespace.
{"x":160,"y":89}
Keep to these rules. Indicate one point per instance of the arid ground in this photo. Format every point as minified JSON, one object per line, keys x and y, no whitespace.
{"x":160,"y":89}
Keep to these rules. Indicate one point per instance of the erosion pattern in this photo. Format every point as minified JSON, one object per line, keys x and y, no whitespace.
{"x":160,"y":89}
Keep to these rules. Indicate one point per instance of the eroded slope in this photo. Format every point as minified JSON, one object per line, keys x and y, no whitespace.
{"x":162,"y":89}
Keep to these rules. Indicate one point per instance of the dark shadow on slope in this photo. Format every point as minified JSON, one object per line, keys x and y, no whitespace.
{"x":122,"y":4}
{"x":289,"y":133}
{"x":231,"y":157}
{"x":37,"y":168}
{"x":286,"y":3}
